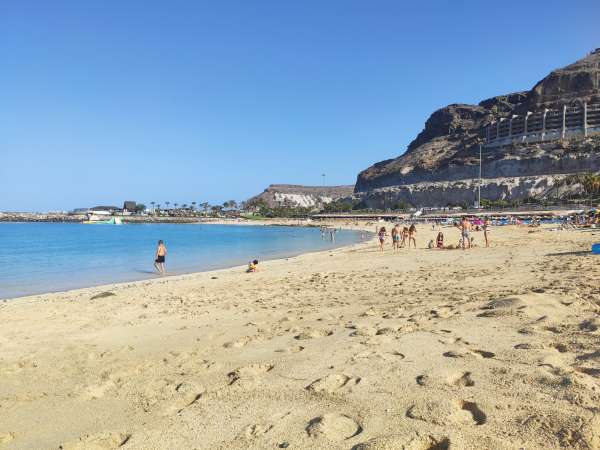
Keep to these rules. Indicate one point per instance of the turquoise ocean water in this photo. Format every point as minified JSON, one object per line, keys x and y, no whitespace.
{"x":47,"y":257}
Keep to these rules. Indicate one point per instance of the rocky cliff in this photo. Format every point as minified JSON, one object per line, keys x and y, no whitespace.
{"x":278,"y":195}
{"x":446,"y":152}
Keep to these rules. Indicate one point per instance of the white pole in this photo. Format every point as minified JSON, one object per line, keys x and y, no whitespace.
{"x":479,"y":184}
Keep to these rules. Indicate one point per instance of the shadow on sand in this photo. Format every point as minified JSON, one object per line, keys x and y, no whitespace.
{"x":578,"y":253}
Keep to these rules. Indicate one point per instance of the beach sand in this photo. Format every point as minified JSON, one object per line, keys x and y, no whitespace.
{"x":349,"y":349}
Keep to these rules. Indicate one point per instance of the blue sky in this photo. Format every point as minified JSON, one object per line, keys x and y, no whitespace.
{"x":186,"y":101}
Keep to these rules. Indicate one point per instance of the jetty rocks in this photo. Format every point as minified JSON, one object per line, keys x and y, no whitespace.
{"x":530,"y":142}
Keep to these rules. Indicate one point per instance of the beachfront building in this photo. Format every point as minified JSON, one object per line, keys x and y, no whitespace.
{"x":581,"y":119}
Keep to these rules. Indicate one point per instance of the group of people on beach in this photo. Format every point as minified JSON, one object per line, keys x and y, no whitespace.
{"x":401,"y":235}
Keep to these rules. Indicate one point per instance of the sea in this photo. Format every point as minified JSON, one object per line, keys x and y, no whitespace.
{"x":48,"y":257}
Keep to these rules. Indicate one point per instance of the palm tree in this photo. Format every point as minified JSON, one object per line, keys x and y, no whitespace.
{"x":591,"y":185}
{"x":153,"y":203}
{"x":193,"y":206}
{"x":176,"y":205}
{"x":205,"y":206}
{"x":167,"y":203}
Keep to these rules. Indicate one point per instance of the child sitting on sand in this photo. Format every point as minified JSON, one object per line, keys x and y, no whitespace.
{"x":253,"y":266}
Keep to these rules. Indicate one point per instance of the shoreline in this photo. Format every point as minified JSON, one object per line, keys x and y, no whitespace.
{"x":175,"y":276}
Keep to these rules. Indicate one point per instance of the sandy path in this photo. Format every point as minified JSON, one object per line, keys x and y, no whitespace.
{"x":350,"y":349}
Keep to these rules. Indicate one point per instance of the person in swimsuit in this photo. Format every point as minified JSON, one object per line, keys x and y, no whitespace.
{"x":465,"y":229}
{"x":486,"y":231}
{"x":161,"y":253}
{"x":412,"y":233}
{"x":440,"y":240}
{"x":404,"y":236}
{"x":396,"y":237}
{"x":253,"y":266}
{"x":382,"y":234}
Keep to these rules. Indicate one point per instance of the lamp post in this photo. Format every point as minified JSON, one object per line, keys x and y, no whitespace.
{"x":479,"y":182}
{"x":323,"y":175}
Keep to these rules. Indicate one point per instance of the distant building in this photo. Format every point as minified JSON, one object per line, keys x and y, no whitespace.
{"x":129,"y":206}
{"x":109,"y":209}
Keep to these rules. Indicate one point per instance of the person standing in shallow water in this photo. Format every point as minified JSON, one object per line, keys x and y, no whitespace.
{"x":161,"y":253}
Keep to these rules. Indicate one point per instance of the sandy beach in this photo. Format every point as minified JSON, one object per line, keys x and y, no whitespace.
{"x":491,"y":348}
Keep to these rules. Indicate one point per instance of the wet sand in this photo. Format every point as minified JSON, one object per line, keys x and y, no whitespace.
{"x":350,"y":349}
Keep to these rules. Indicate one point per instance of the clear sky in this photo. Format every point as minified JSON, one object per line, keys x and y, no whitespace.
{"x":181,"y":101}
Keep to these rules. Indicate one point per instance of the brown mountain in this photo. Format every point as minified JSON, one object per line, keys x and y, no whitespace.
{"x":292,"y":195}
{"x":528,"y":138}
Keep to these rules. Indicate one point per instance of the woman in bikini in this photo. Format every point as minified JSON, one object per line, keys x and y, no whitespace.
{"x":382,"y":234}
{"x":404,"y":236}
{"x":412,"y":233}
{"x":486,"y":231}
{"x":440,"y":240}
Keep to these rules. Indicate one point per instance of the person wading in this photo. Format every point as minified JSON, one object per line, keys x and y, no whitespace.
{"x":161,"y":253}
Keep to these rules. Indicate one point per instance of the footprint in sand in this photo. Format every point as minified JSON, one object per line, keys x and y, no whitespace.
{"x":334,"y":427}
{"x":168,"y":396}
{"x":456,"y":354}
{"x":446,"y":412}
{"x":464,"y":379}
{"x":239,"y":343}
{"x":523,"y":346}
{"x":249,"y":373}
{"x":477,"y":415}
{"x":402,"y":442}
{"x":313,"y":334}
{"x":101,"y":441}
{"x":463,"y":353}
{"x":483,"y":353}
{"x":332,"y":383}
{"x":292,"y":349}
{"x":185,"y":394}
{"x":256,"y":430}
{"x":435,"y":412}
{"x":364,"y":331}
{"x":376,"y":354}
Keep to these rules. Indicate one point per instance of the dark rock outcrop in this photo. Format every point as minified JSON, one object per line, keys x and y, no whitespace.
{"x":576,"y":82}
